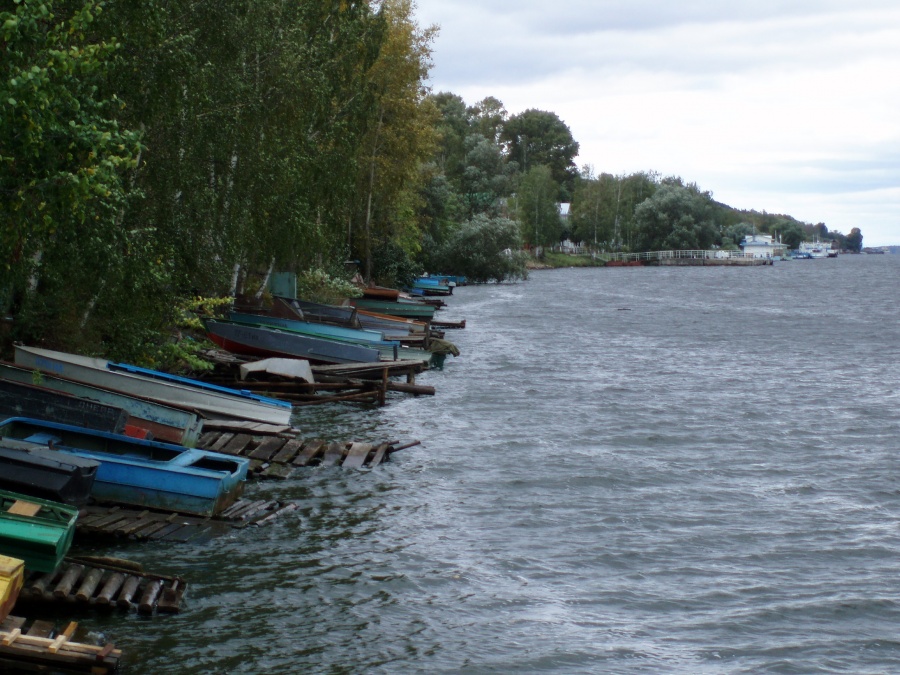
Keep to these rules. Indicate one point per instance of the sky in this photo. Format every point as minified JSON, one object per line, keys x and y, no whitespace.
{"x":785,"y":106}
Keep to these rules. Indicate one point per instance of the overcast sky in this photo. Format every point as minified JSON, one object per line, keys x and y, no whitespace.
{"x":785,"y":106}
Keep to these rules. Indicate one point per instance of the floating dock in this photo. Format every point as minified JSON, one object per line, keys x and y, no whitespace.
{"x":40,"y":648}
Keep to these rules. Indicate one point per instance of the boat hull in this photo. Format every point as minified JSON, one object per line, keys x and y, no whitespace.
{"x":258,"y":341}
{"x":143,"y":473}
{"x":166,"y":423}
{"x":12,"y":576}
{"x":40,"y":540}
{"x":18,"y":399}
{"x":408,"y":310}
{"x":212,"y":402}
{"x":47,"y":474}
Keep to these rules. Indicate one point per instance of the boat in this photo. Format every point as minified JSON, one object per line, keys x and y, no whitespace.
{"x":380,"y":293}
{"x":430,"y":286}
{"x":47,"y":474}
{"x":389,"y":350}
{"x":142,"y":473}
{"x":12,"y":576}
{"x":258,"y":341}
{"x":813,"y":250}
{"x":19,"y":399}
{"x":304,"y":310}
{"x":37,"y":531}
{"x":165,"y":422}
{"x":407,"y":309}
{"x":212,"y":400}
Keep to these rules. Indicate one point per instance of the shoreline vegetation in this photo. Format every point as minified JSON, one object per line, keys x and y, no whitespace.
{"x":274,"y":138}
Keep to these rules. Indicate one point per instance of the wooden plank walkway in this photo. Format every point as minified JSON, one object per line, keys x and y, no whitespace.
{"x":146,"y":525}
{"x":40,"y":648}
{"x":105,"y":583}
{"x":274,"y":452}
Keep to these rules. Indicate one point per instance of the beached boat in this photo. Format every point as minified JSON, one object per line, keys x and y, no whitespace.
{"x":211,"y":400}
{"x":37,"y":531}
{"x":44,"y":473}
{"x":19,"y":399}
{"x":407,"y":309}
{"x":12,"y":575}
{"x":166,"y":423}
{"x":380,"y":293}
{"x":304,"y":310}
{"x":430,"y":286}
{"x":258,"y":341}
{"x":389,"y":350}
{"x":143,"y":473}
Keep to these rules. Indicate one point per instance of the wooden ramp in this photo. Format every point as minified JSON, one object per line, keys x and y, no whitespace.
{"x":144,"y":525}
{"x":105,"y":584}
{"x":275,"y":452}
{"x":40,"y":648}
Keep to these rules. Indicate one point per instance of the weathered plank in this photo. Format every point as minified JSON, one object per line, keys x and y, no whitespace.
{"x":265,"y":450}
{"x":357,"y":455}
{"x":380,"y":454}
{"x":237,"y":445}
{"x":310,"y":449}
{"x":333,"y":454}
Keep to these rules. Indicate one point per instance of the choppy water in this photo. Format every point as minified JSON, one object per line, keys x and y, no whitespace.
{"x":627,"y":471}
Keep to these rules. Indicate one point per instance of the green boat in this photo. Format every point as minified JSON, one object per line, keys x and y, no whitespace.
{"x":35,"y":530}
{"x":406,"y":310}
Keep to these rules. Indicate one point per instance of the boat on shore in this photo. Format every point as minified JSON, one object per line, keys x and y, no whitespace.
{"x":40,"y":472}
{"x":37,"y":531}
{"x":12,"y":576}
{"x":406,"y":309}
{"x":165,"y":422}
{"x":142,"y":473}
{"x":211,"y":400}
{"x":18,"y":399}
{"x":259,"y":341}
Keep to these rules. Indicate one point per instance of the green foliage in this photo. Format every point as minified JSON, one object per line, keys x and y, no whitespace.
{"x":539,"y":138}
{"x":854,"y":240}
{"x":485,"y":249}
{"x":317,"y":285}
{"x":537,"y":209}
{"x":675,"y":217}
{"x":394,"y":267}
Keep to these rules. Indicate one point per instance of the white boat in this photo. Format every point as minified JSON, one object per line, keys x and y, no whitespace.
{"x":211,"y":400}
{"x":814,"y":249}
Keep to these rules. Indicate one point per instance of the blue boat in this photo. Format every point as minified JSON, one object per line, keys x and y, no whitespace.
{"x":142,"y":473}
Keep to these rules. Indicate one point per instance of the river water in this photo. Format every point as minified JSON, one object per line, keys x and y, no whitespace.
{"x":632,"y":470}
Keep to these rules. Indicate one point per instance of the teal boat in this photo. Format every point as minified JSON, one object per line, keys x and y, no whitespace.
{"x":407,"y":309}
{"x":142,"y":473}
{"x":389,"y":350}
{"x":37,"y":531}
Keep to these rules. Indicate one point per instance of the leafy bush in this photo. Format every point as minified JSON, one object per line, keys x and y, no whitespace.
{"x":485,"y":249}
{"x":317,"y":285}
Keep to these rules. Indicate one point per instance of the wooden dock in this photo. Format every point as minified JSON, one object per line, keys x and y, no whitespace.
{"x":146,"y":525}
{"x":274,"y":452}
{"x":40,"y":648}
{"x":105,"y":583}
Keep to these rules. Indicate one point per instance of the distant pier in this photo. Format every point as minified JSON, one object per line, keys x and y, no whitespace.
{"x":699,"y":258}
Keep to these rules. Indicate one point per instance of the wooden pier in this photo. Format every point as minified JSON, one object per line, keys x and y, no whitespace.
{"x":145,"y":525}
{"x":40,"y":648}
{"x":274,"y":452}
{"x":105,"y":583}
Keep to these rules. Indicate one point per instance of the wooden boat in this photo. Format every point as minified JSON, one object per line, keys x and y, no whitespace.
{"x":430,"y":286}
{"x":47,"y":474}
{"x":37,"y":531}
{"x":166,"y":423}
{"x":211,"y":400}
{"x":381,"y":293}
{"x":18,"y":399}
{"x":406,"y":309}
{"x":259,"y":341}
{"x":12,"y":575}
{"x":143,"y":473}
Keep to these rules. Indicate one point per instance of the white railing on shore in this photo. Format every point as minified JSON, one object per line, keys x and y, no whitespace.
{"x":671,"y":255}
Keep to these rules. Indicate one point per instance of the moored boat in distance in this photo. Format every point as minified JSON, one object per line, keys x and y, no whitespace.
{"x":142,"y":473}
{"x":211,"y":400}
{"x":37,"y":531}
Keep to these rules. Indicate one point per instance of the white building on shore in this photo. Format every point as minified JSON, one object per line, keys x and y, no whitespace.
{"x":762,"y":246}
